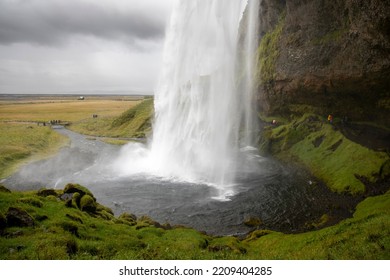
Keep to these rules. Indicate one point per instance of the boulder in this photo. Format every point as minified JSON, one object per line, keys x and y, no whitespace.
{"x":76,"y":188}
{"x":18,"y":218}
{"x":87,"y":203}
{"x":46,"y":192}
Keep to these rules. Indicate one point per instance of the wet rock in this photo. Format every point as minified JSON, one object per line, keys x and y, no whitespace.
{"x":19,"y":218}
{"x":66,"y":196}
{"x":328,"y":56}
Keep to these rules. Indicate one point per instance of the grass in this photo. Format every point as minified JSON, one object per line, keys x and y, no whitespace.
{"x":132,"y":123}
{"x":323,"y":150}
{"x":19,"y":142}
{"x":64,"y":110}
{"x":21,"y":139}
{"x":63,"y":231}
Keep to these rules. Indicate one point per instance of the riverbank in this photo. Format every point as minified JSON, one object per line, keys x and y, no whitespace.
{"x":23,"y":138}
{"x":22,"y":143}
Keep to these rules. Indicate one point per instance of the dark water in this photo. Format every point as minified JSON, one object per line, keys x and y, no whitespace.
{"x":282,"y":198}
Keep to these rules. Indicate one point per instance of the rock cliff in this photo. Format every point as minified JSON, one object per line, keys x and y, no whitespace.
{"x":331,"y":55}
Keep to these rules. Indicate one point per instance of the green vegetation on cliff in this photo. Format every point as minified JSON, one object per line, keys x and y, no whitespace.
{"x":339,"y":162}
{"x":56,"y":224}
{"x":267,"y":54}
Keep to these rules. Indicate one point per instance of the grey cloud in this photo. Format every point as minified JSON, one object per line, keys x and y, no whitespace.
{"x":54,"y":22}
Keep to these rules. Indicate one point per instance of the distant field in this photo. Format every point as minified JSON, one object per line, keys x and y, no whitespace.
{"x":22,"y":141}
{"x":46,"y":108}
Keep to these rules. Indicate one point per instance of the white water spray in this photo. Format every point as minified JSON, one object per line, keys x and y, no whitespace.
{"x":199,"y":111}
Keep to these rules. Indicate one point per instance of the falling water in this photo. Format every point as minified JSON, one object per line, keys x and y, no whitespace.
{"x":198,"y":108}
{"x":201,"y":113}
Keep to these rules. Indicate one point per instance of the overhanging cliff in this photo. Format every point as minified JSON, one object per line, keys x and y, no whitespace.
{"x":331,"y":55}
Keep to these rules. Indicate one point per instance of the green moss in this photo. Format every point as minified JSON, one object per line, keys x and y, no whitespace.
{"x":76,"y":188}
{"x":227,"y":243}
{"x":330,"y":37}
{"x":324,"y":151}
{"x":76,"y":200}
{"x":69,"y":233}
{"x":32,"y":201}
{"x":87,"y":203}
{"x":268,"y":52}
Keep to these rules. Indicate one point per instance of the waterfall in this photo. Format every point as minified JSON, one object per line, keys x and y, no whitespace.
{"x":198,"y":107}
{"x":201,"y":114}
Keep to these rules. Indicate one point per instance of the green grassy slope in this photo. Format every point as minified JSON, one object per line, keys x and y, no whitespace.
{"x":133,"y":123}
{"x":19,"y":142}
{"x":81,"y":228}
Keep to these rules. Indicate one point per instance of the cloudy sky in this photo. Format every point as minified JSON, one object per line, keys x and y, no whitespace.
{"x":60,"y":46}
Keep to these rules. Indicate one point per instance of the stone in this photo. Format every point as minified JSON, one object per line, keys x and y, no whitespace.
{"x":17,"y":217}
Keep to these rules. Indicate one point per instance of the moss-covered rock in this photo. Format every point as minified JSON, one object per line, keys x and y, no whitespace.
{"x":76,"y":188}
{"x":128,"y":219}
{"x":17,"y":217}
{"x":76,"y":200}
{"x":46,"y":192}
{"x":87,"y":203}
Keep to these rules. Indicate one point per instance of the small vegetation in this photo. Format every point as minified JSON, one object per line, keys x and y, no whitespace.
{"x":40,"y":225}
{"x":326,"y":152}
{"x":268,"y":53}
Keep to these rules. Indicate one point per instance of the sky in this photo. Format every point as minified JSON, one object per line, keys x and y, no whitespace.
{"x":68,"y":46}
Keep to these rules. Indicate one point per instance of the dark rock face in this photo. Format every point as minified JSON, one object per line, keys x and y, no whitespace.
{"x":19,"y":218}
{"x":333,"y":55}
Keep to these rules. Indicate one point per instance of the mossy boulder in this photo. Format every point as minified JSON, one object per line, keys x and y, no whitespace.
{"x":46,"y":192}
{"x":76,"y":188}
{"x":17,"y":217}
{"x":76,"y":200}
{"x":4,"y":189}
{"x":104,"y":208}
{"x":126,"y":218}
{"x":87,"y":203}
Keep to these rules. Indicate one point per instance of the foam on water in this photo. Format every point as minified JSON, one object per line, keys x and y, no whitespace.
{"x":201,"y":115}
